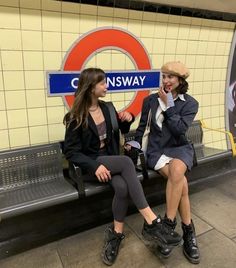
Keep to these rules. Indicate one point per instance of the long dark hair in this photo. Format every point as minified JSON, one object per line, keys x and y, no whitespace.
{"x":83,"y":96}
{"x":183,"y":86}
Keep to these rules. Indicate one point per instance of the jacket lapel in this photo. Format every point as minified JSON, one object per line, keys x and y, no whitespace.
{"x":92,"y":125}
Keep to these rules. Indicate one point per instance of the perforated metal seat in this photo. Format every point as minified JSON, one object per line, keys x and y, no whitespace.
{"x":32,"y":178}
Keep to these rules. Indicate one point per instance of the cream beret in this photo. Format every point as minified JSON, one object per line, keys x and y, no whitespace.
{"x":176,"y":68}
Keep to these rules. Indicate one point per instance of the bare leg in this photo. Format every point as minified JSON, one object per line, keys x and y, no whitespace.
{"x":176,"y":190}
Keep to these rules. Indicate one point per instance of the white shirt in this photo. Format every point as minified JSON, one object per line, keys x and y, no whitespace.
{"x":163,"y":160}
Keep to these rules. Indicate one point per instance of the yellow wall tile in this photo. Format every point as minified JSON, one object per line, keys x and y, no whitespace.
{"x":51,"y":41}
{"x":194,"y":32}
{"x":183,"y":31}
{"x":211,"y":48}
{"x":130,"y":95}
{"x":204,"y":33}
{"x":162,"y":17}
{"x":208,"y":73}
{"x":181,"y":46}
{"x":147,"y":29}
{"x":216,"y":74}
{"x":17,"y":118}
{"x":9,"y":18}
{"x":104,"y":61}
{"x":129,"y":64}
{"x":198,"y":75}
{"x":3,"y":121}
{"x":200,"y":61}
{"x":118,"y":104}
{"x":2,"y":101}
{"x":35,"y":98}
{"x":70,"y":23}
{"x":218,"y":61}
{"x":55,"y":114}
{"x":157,"y":61}
{"x":134,"y":26}
{"x":172,"y":31}
{"x":15,"y":99}
{"x":207,"y":86}
{"x":37,"y":116}
{"x":54,"y":101}
{"x":104,"y":21}
{"x":174,"y":19}
{"x":13,"y":80}
{"x":34,"y":79}
{"x":88,"y":9}
{"x":190,"y":61}
{"x":192,"y":47}
{"x":197,"y":21}
{"x":31,"y":19}
{"x":122,"y":23}
{"x":33,"y":60}
{"x":1,"y":81}
{"x":32,"y":40}
{"x":148,"y":44}
{"x":30,"y":4}
{"x":56,"y":132}
{"x":51,"y":5}
{"x":52,"y":60}
{"x":209,"y":62}
{"x":38,"y":134}
{"x":118,"y":61}
{"x":105,"y":11}
{"x":160,"y":30}
{"x":87,"y":23}
{"x":12,"y":3}
{"x":150,"y":16}
{"x":10,"y":39}
{"x":51,"y":21}
{"x":214,"y":33}
{"x":121,"y":13}
{"x":170,"y":47}
{"x":12,"y":60}
{"x":4,"y":140}
{"x":202,"y":47}
{"x":134,"y":14}
{"x":70,"y":7}
{"x":185,"y":20}
{"x":19,"y":137}
{"x":68,"y":40}
{"x":118,"y":97}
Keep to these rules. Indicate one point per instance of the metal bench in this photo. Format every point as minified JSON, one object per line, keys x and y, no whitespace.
{"x":202,"y":155}
{"x":31,"y":179}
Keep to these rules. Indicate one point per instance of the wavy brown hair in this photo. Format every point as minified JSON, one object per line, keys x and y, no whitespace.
{"x":183,"y":86}
{"x":83,"y":96}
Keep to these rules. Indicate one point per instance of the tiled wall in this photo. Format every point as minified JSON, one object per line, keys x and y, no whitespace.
{"x":35,"y":36}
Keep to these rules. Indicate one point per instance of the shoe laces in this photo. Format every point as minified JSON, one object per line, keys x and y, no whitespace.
{"x":190,"y":237}
{"x":115,"y":241}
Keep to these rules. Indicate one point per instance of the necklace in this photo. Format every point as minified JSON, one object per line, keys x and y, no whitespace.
{"x":94,"y":109}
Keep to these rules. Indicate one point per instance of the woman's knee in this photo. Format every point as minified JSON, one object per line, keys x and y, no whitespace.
{"x":120,"y":188}
{"x":177,"y":170}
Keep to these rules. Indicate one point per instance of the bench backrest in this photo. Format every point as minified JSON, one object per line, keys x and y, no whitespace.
{"x":195,"y":134}
{"x":29,"y":165}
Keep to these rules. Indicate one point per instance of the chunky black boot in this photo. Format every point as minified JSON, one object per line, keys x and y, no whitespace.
{"x":165,"y":251}
{"x":160,"y":232}
{"x":111,"y":246}
{"x":190,"y":247}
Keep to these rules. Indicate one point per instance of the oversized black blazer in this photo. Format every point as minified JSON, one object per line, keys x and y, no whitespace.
{"x":171,"y":139}
{"x":81,"y":145}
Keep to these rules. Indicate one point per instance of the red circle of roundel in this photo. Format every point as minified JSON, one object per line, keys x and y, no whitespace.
{"x":102,"y":39}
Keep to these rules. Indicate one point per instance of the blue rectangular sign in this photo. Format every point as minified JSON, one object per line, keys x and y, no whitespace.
{"x":65,"y":83}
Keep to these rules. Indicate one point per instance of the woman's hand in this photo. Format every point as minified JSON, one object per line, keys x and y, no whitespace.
{"x":125,"y":116}
{"x":163,"y":95}
{"x":103,"y":174}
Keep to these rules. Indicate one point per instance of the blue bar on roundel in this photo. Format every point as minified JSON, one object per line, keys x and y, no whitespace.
{"x":65,"y":83}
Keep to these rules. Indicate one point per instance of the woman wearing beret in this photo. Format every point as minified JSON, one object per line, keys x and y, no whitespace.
{"x":168,"y":150}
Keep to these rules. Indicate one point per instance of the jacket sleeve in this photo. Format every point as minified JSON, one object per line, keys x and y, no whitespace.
{"x":143,"y":121}
{"x":73,"y":149}
{"x":177,"y":123}
{"x":125,"y":126}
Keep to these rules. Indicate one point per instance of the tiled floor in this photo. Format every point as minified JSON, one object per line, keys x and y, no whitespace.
{"x":214,"y":215}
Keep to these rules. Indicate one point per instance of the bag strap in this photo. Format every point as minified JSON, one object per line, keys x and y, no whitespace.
{"x":114,"y":121}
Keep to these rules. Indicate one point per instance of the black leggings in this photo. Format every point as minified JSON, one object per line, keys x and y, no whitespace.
{"x":125,"y":183}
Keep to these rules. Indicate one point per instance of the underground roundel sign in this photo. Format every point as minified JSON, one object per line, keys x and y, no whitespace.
{"x":141,"y":80}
